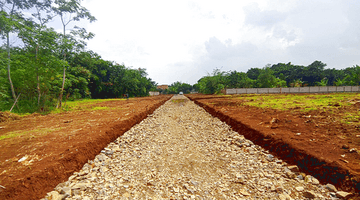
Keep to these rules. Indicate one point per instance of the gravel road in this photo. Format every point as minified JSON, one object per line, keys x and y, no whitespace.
{"x":182,"y":152}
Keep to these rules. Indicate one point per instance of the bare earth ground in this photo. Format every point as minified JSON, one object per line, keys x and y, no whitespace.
{"x":324,"y":147}
{"x":56,"y":145}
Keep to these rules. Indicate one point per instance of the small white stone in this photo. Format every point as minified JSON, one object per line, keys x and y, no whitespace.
{"x":23,"y":159}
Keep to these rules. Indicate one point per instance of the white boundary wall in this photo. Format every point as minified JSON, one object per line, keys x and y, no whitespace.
{"x":313,"y":89}
{"x":154,"y":93}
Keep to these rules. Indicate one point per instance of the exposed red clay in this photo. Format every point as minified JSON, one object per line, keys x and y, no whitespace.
{"x":320,"y":159}
{"x":71,"y":139}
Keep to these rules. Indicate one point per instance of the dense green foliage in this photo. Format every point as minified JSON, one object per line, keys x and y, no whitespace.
{"x":40,"y":64}
{"x":177,"y":87}
{"x":279,"y":75}
{"x":111,"y":80}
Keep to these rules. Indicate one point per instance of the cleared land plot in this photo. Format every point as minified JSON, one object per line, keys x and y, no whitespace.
{"x":52,"y":147}
{"x":182,"y":152}
{"x":320,"y":133}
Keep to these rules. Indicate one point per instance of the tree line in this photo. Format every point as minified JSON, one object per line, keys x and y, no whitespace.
{"x":271,"y":76}
{"x":40,"y":68}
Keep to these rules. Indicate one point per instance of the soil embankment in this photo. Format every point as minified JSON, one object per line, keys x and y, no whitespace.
{"x":315,"y":149}
{"x":41,"y":151}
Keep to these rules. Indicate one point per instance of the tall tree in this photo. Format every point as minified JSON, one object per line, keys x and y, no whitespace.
{"x":253,"y":73}
{"x":41,"y":6}
{"x":69,"y":11}
{"x":212,"y":83}
{"x":33,"y":31}
{"x":10,"y":13}
{"x":239,"y":80}
{"x":266,"y":78}
{"x":177,"y":87}
{"x":314,"y":73}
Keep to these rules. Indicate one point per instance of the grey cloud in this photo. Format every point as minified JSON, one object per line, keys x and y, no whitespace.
{"x":220,"y":51}
{"x":282,"y":33}
{"x":330,"y":33}
{"x":266,"y":18}
{"x":218,"y":54}
{"x":185,"y":72}
{"x":351,"y":37}
{"x":229,"y":56}
{"x":323,"y":30}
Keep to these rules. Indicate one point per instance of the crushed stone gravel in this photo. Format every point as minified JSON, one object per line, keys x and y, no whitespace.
{"x":182,"y":152}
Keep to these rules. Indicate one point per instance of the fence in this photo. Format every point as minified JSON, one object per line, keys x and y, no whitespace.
{"x":313,"y":89}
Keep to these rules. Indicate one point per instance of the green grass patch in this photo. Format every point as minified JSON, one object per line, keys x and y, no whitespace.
{"x":100,"y":108}
{"x":11,"y":135}
{"x":301,"y":102}
{"x":335,"y":104}
{"x":85,"y":104}
{"x":351,"y":117}
{"x":31,"y":133}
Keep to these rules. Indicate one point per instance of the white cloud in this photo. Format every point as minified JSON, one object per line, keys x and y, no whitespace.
{"x":183,"y":40}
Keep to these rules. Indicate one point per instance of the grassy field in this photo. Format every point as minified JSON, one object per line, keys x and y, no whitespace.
{"x":345,"y":104}
{"x":85,"y":104}
{"x":28,"y":134}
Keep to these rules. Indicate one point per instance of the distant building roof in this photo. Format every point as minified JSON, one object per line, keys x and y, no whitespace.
{"x":163,"y":87}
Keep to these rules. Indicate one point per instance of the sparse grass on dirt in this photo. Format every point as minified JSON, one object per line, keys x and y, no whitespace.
{"x":6,"y":116}
{"x":85,"y":104}
{"x":306,"y":103}
{"x":29,"y":134}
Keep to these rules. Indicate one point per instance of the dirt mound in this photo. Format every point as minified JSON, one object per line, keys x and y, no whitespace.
{"x":8,"y":116}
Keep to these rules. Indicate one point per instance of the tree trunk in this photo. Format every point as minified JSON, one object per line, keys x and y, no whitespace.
{"x":37,"y":75}
{"x":8,"y":66}
{"x":64,"y":75}
{"x":62,"y":91}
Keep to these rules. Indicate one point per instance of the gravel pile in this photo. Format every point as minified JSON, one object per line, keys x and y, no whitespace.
{"x":182,"y":152}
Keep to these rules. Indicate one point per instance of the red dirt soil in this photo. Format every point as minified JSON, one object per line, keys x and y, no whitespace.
{"x":57,"y":145}
{"x":319,"y":150}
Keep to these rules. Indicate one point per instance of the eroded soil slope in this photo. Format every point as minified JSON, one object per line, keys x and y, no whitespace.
{"x":317,"y":142}
{"x":50,"y":148}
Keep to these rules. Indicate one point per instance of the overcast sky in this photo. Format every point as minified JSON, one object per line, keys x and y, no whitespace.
{"x":184,"y":40}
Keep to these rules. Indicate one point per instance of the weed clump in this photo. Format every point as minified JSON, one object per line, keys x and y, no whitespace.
{"x":8,"y":116}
